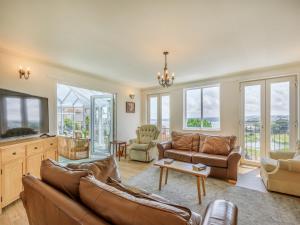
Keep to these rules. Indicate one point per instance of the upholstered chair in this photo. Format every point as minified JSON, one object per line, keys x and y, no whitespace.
{"x":281,"y":172}
{"x":143,"y":148}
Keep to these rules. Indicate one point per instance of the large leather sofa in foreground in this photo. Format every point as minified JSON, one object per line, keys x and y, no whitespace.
{"x":218,"y":152}
{"x":75,"y":196}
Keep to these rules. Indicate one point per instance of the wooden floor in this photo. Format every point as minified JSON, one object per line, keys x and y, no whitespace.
{"x":15,"y":214}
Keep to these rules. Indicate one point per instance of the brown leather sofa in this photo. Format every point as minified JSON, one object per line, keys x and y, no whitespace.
{"x":218,"y":152}
{"x":75,"y":197}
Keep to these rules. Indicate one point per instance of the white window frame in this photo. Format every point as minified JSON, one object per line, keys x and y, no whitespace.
{"x":185,"y":127}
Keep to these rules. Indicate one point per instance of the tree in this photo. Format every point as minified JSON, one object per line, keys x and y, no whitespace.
{"x":196,"y":122}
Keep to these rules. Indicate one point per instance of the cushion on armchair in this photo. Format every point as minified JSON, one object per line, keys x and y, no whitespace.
{"x":147,"y":133}
{"x":269,"y":164}
{"x":142,"y":147}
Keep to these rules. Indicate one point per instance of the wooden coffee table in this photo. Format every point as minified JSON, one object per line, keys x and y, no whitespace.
{"x":187,"y":168}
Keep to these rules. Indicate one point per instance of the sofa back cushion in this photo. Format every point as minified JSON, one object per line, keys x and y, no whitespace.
{"x":101,"y":168}
{"x":120,"y":208}
{"x":216,"y":145}
{"x":62,"y":178}
{"x":185,"y":141}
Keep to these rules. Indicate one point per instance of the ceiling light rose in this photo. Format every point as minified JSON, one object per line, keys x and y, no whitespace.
{"x":165,"y":80}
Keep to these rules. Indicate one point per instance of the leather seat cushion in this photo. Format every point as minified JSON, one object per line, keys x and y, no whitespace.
{"x":185,"y":156}
{"x":101,"y":169}
{"x":142,"y":147}
{"x":127,"y":209}
{"x":210,"y":159}
{"x":269,"y":164}
{"x":65,"y":179}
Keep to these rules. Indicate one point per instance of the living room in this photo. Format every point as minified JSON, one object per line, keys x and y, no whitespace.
{"x":164,"y":112}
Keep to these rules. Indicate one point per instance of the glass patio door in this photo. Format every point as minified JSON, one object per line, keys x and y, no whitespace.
{"x":102,"y":123}
{"x":269,"y":117}
{"x":159,"y":113}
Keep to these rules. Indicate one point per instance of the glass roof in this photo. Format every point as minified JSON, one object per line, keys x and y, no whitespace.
{"x":69,"y":96}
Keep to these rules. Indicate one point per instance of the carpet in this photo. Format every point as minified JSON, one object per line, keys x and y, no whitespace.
{"x":255,"y":208}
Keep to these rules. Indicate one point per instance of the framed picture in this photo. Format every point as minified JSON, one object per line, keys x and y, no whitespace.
{"x":130,"y":107}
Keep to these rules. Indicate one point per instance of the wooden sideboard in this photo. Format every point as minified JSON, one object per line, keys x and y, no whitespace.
{"x":21,"y":157}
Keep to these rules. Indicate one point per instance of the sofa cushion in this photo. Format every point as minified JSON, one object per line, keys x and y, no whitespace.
{"x":136,"y":192}
{"x":185,"y":141}
{"x":216,"y":145}
{"x":120,"y":208}
{"x":142,"y":147}
{"x":203,"y":136}
{"x":185,"y":156}
{"x":210,"y":159}
{"x":268,"y":164}
{"x":65,"y":179}
{"x":101,"y":168}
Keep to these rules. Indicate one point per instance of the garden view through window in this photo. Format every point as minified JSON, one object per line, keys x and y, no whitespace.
{"x":202,"y":107}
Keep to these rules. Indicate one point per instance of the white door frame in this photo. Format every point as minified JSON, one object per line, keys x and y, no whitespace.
{"x":265,"y":111}
{"x":262,"y":117}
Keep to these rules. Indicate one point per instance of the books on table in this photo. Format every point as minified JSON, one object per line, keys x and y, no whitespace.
{"x":168,"y":161}
{"x":199,"y":167}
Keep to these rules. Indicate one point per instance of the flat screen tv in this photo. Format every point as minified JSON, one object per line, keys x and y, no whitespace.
{"x":22,"y":114}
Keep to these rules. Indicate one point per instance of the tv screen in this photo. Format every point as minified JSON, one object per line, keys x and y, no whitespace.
{"x":22,"y":114}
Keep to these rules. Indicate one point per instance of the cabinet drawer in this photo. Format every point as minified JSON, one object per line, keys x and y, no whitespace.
{"x":34,"y":148}
{"x":50,"y":144}
{"x":13,"y":152}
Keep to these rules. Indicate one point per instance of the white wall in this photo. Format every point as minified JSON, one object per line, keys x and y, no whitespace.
{"x":43,"y":82}
{"x":229,"y":94}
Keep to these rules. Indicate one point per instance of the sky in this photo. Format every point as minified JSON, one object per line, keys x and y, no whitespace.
{"x":279,"y":99}
{"x":211,"y":102}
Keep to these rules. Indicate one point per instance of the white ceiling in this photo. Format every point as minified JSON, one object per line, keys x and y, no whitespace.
{"x":124,"y":40}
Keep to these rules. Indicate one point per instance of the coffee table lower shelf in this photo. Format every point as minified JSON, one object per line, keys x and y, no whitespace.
{"x":187,"y":168}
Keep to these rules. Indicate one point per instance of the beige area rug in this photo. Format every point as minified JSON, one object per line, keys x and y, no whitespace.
{"x":255,"y":208}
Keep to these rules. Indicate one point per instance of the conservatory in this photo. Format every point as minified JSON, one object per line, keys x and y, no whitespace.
{"x":85,"y":114}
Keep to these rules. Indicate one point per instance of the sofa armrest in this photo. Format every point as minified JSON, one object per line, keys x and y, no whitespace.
{"x":163,"y":146}
{"x":220,"y":212}
{"x":233,"y":163}
{"x":282,"y":155}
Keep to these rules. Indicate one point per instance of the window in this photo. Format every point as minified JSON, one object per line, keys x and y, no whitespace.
{"x":153,"y":110}
{"x":13,"y":112}
{"x":202,"y":108}
{"x":33,"y":113}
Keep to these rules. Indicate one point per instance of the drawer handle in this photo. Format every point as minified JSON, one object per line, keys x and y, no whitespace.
{"x":35,"y":147}
{"x":14,"y":153}
{"x":51,"y":143}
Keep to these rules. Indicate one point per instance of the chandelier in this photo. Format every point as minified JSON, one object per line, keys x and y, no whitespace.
{"x":165,"y":80}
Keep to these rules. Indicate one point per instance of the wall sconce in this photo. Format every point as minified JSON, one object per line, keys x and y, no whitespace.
{"x":24,"y":73}
{"x":131,"y":96}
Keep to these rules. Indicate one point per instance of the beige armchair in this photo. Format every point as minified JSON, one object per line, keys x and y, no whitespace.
{"x":281,"y":172}
{"x":143,"y":148}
